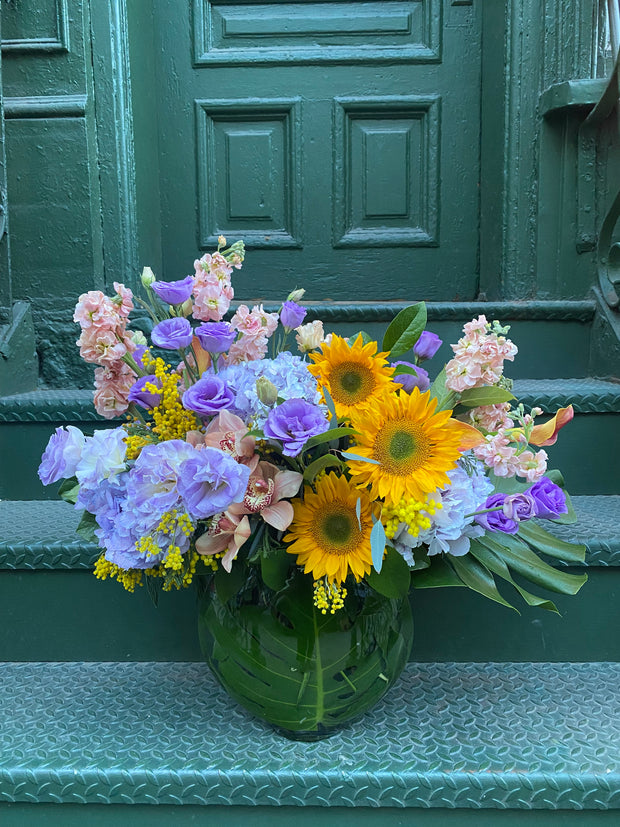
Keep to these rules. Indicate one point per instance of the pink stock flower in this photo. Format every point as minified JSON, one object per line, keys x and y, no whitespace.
{"x":101,"y":346}
{"x":491,"y":417}
{"x":227,"y":532}
{"x":247,"y":349}
{"x":532,"y":465}
{"x":478,"y":357}
{"x":112,"y":386}
{"x":94,"y":309}
{"x":267,"y":488}
{"x":125,"y":306}
{"x":211,"y":300}
{"x":213,"y":266}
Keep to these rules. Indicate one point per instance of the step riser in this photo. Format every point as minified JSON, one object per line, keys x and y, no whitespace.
{"x":70,"y":615}
{"x":582,"y":452}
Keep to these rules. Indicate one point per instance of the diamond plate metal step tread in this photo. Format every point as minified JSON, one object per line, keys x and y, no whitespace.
{"x":165,"y":733}
{"x":40,"y":534}
{"x":585,"y":395}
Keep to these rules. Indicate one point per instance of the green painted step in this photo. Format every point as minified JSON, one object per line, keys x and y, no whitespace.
{"x":55,"y":609}
{"x":582,"y":452}
{"x":476,"y":736}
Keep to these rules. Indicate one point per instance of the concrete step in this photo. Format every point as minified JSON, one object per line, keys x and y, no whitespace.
{"x":450,"y":737}
{"x":55,"y":609}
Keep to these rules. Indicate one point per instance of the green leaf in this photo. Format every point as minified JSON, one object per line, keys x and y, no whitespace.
{"x":86,"y":527}
{"x":395,"y":576}
{"x":328,"y":436}
{"x":446,"y":400}
{"x":366,"y":337}
{"x":405,"y":369}
{"x":497,"y":566}
{"x":490,"y":395}
{"x":350,"y":455}
{"x":546,"y":543}
{"x":275,"y":566}
{"x":377,"y":544}
{"x":330,"y":404}
{"x":305,"y":673}
{"x":438,"y":575}
{"x":477,"y":577}
{"x":69,"y":490}
{"x":405,"y":330}
{"x":519,"y":557}
{"x":228,"y":584}
{"x":326,"y":461}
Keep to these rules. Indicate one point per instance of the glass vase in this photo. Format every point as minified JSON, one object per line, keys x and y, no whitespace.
{"x":306,"y":673}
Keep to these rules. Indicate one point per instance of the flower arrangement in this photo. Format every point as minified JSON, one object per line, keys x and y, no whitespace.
{"x":341,"y":459}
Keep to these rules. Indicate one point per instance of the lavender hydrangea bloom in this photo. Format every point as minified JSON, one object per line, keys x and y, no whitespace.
{"x":293,"y":423}
{"x":427,"y":345}
{"x":519,"y":507}
{"x":172,"y":334}
{"x":292,"y":315}
{"x":152,"y":488}
{"x":549,"y":499}
{"x":143,"y":397}
{"x":174,"y":292}
{"x":103,"y":457}
{"x":61,"y":457}
{"x":451,"y":529}
{"x":496,"y":520}
{"x":208,"y":396}
{"x":287,"y":372}
{"x":215,"y":337}
{"x":410,"y":381}
{"x":210,"y":481}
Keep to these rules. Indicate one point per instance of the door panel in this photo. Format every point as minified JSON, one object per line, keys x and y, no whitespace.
{"x":339,"y":140}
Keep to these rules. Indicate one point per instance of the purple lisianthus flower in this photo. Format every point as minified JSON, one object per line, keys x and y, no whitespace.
{"x":172,"y":334}
{"x":174,"y":292}
{"x":61,"y":457}
{"x":293,"y":423}
{"x":496,"y":520}
{"x":215,"y":337}
{"x":210,"y":481}
{"x":292,"y":315}
{"x":143,"y":397}
{"x":549,"y":499}
{"x":427,"y":345}
{"x":519,"y":507}
{"x":208,"y":396}
{"x":409,"y":381}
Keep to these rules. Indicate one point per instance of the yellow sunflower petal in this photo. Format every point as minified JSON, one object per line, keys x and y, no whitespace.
{"x":325,"y":533}
{"x":354,"y":375}
{"x":413,"y":446}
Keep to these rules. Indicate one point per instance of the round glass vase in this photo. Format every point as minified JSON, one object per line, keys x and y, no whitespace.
{"x":305,"y":673}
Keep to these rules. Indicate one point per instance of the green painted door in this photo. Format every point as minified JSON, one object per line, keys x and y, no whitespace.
{"x":341,"y":140}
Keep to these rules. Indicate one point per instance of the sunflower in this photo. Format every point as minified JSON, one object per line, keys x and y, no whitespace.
{"x":354,"y":375}
{"x":326,"y":535}
{"x":412,"y":446}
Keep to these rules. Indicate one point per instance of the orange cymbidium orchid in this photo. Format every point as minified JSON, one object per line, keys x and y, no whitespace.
{"x":547,"y":434}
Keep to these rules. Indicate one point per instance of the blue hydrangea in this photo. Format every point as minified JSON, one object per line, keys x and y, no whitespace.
{"x":451,"y":530}
{"x":288,"y":372}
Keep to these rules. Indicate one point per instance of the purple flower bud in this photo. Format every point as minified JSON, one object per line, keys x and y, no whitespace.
{"x":549,"y":499}
{"x":215,"y":337}
{"x":143,"y":397}
{"x":210,"y":481}
{"x":293,"y":423}
{"x":174,"y":292}
{"x":292,"y":315}
{"x":208,"y":396}
{"x":172,"y":334}
{"x":519,"y":507}
{"x":427,"y":345}
{"x":409,"y":381}
{"x":496,"y":520}
{"x":62,"y":455}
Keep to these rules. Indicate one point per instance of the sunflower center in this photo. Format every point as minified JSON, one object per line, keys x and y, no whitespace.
{"x":351,"y":383}
{"x":337,"y":532}
{"x":401,"y":447}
